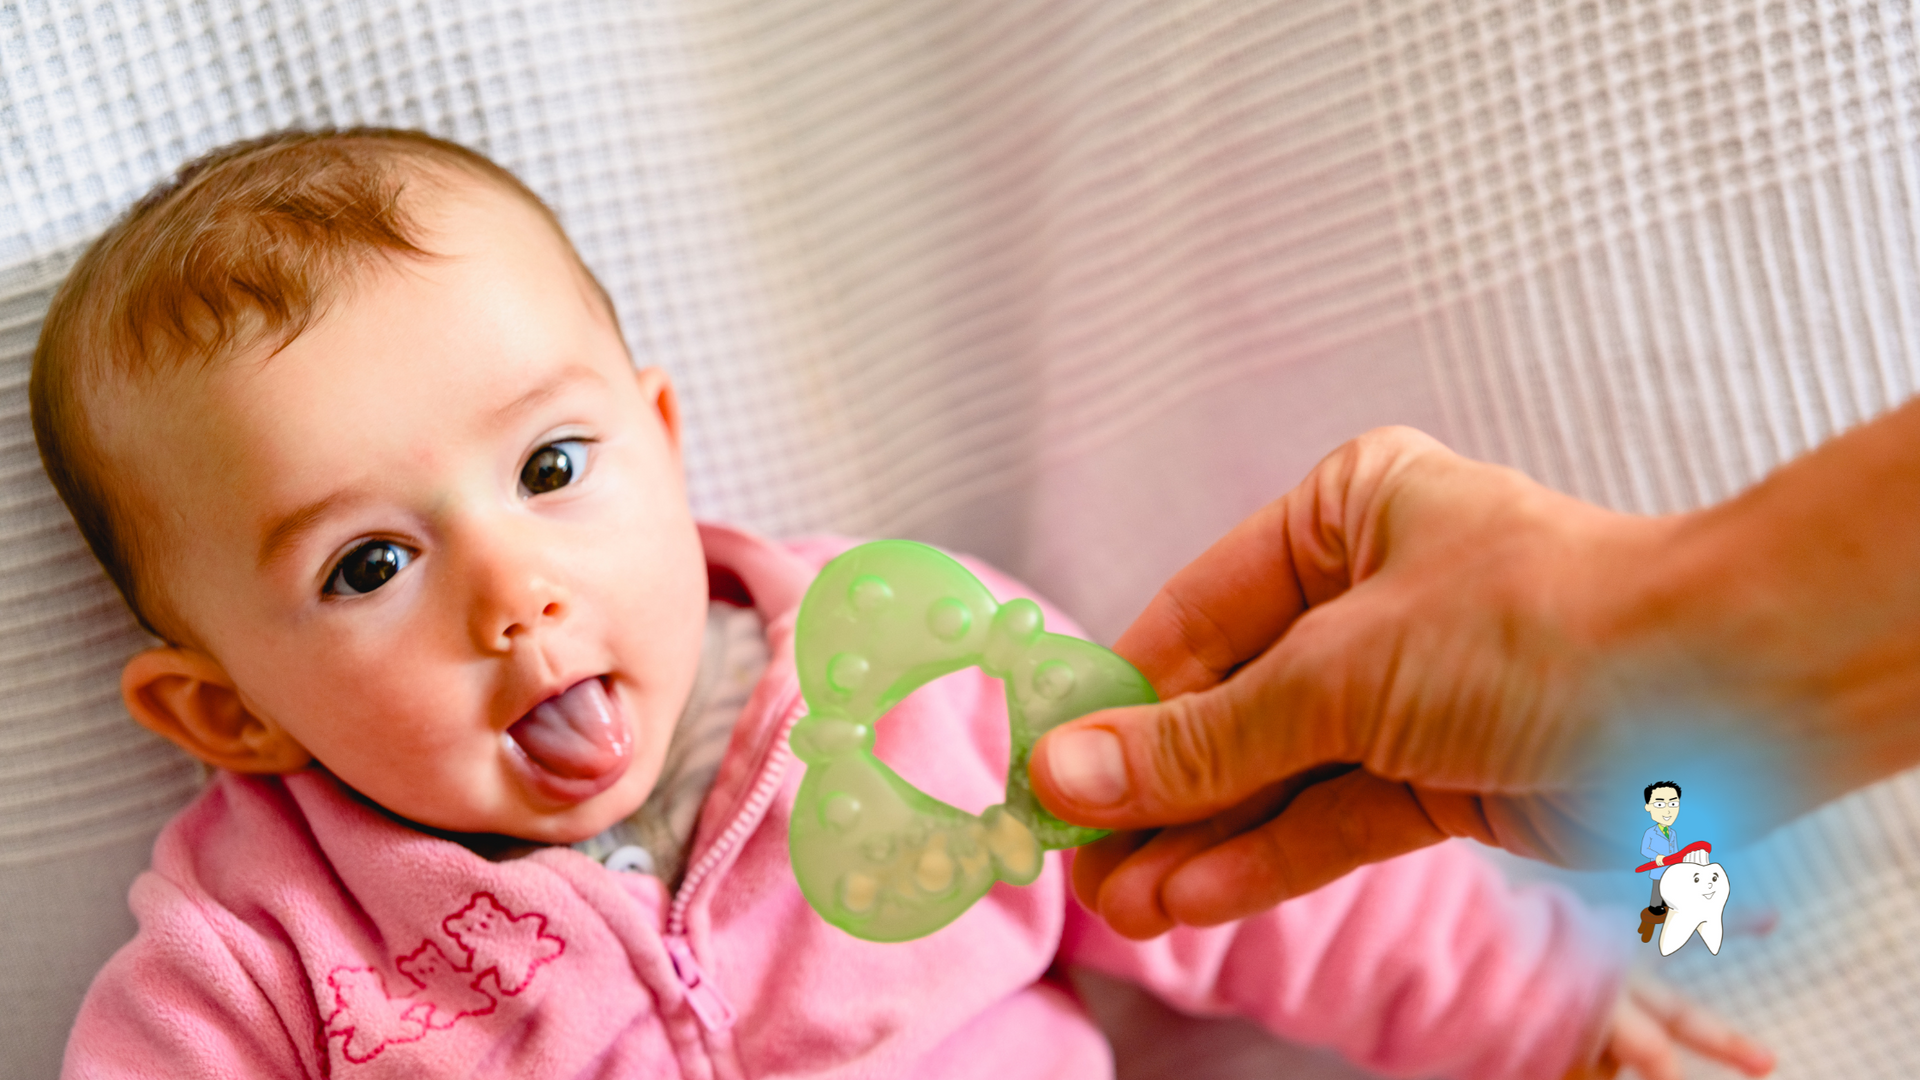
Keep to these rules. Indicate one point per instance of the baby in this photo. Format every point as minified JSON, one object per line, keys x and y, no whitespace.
{"x":500,"y":730}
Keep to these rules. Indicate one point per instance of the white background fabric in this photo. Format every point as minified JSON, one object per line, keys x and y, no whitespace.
{"x":1073,"y":285}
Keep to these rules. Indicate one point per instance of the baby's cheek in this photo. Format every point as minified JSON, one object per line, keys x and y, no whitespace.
{"x":415,"y":739}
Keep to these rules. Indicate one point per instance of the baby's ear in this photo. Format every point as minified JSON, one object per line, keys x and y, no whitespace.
{"x":186,"y":697}
{"x":657,"y":389}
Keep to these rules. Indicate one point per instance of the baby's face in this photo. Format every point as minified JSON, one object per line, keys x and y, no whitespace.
{"x":442,"y":540}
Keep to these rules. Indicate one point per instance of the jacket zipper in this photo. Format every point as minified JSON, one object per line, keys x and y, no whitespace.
{"x":709,"y":1005}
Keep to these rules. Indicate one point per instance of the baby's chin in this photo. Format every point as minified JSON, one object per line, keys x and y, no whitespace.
{"x":590,"y":818}
{"x":534,"y":804}
{"x":495,"y":788}
{"x":513,"y":818}
{"x":585,"y":819}
{"x":510,"y":833}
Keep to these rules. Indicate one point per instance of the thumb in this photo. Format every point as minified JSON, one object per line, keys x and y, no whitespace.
{"x":1195,"y":755}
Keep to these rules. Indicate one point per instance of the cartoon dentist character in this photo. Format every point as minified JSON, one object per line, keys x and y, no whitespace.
{"x":1689,"y":892}
{"x":1659,"y":843}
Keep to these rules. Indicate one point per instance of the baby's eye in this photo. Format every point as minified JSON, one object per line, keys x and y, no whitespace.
{"x":553,"y":467}
{"x":368,"y":567}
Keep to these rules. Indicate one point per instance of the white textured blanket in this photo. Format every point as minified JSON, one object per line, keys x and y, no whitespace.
{"x":1071,"y":284}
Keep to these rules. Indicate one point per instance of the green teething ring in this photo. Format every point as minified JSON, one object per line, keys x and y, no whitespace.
{"x":874,"y":855}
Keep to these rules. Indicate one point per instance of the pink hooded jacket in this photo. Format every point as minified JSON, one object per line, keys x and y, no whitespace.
{"x":288,"y":928}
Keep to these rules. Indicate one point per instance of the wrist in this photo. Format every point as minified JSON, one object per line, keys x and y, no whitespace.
{"x":1706,"y":629}
{"x":1794,"y":609}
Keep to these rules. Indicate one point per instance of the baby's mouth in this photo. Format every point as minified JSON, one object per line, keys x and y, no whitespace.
{"x":575,"y":744}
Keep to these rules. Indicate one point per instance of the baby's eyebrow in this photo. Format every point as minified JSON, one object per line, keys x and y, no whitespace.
{"x":575,"y":373}
{"x":288,"y":530}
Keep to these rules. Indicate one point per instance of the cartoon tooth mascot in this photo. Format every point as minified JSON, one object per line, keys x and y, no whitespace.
{"x":1696,"y":895}
{"x":1689,"y":893}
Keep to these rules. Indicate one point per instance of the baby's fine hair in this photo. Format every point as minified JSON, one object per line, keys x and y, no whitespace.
{"x":241,"y":249}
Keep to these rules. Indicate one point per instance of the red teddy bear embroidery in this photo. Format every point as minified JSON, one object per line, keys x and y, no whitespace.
{"x":497,"y":941}
{"x":366,"y":1018}
{"x":493,"y":942}
{"x":448,"y":990}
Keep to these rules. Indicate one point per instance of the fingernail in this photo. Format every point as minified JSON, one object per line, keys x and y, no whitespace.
{"x":1088,"y":766}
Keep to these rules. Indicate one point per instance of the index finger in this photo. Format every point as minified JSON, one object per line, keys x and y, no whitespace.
{"x":1227,"y":606}
{"x":1221,"y":610}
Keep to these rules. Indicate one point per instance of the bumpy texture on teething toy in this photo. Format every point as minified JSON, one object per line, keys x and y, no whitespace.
{"x":874,"y":855}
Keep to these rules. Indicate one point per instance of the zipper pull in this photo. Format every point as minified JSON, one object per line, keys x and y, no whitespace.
{"x":708,"y":1003}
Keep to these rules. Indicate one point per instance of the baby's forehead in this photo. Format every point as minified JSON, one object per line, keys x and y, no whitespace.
{"x":443,"y":206}
{"x":216,"y":270}
{"x":158,"y":414}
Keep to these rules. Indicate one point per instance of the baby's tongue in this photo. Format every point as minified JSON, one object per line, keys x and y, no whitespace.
{"x":576,"y":735}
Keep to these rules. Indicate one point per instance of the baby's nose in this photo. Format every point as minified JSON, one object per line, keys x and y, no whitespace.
{"x":513,"y":591}
{"x":513,"y":601}
{"x":524,"y":608}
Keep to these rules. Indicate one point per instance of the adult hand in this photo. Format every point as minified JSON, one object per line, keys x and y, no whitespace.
{"x":1400,"y":604}
{"x":1411,"y":645}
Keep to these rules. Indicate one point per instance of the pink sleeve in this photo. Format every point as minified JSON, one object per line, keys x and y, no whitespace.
{"x":180,"y":1001}
{"x":1429,"y":964}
